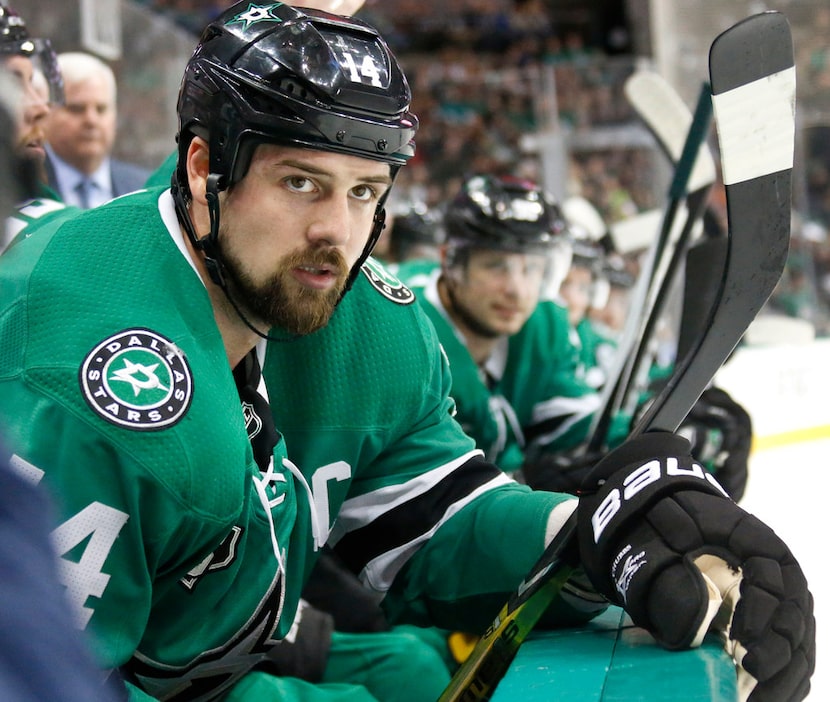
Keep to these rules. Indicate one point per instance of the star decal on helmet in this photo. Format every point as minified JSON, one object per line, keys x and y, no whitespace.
{"x":256,"y":13}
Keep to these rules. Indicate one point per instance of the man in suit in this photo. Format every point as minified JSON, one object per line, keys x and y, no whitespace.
{"x":81,"y":134}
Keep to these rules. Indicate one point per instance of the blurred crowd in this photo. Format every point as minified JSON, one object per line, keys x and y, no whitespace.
{"x":508,"y":86}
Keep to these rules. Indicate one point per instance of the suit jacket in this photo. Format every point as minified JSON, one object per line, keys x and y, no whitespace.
{"x":126,"y":177}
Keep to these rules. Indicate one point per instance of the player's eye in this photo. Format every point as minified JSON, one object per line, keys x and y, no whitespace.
{"x":364,"y":192}
{"x":299,"y":184}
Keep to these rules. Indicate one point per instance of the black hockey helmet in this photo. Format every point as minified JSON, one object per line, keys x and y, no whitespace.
{"x":587,"y":252}
{"x":417,"y":224}
{"x":301,"y":77}
{"x":508,"y":214}
{"x":15,"y":41}
{"x":273,"y":73}
{"x":414,"y":225}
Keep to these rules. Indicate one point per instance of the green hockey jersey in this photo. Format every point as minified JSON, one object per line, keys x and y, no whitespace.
{"x":46,"y":205}
{"x":596,"y":353}
{"x":528,"y":397}
{"x":181,"y":556}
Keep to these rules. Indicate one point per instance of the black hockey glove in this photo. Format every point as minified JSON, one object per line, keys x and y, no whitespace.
{"x":560,"y":472}
{"x":720,"y":431}
{"x":659,"y":537}
{"x":304,"y":653}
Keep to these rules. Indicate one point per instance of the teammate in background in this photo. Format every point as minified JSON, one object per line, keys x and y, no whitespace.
{"x":582,"y":289}
{"x":609,"y":318}
{"x":413,"y":233}
{"x":719,"y":429}
{"x":34,"y":67}
{"x":187,"y":536}
{"x":514,"y":368}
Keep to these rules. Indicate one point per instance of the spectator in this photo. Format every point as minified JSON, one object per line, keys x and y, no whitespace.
{"x":81,"y":135}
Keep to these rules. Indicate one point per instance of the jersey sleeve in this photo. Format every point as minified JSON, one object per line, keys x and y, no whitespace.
{"x":542,"y":380}
{"x":477,"y":559}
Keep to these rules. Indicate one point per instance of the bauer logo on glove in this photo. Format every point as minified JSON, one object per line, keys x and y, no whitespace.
{"x":648,"y":474}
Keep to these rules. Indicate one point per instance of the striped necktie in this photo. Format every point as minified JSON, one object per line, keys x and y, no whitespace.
{"x":84,"y":190}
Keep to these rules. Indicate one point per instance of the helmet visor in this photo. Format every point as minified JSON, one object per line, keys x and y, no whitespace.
{"x":46,"y":73}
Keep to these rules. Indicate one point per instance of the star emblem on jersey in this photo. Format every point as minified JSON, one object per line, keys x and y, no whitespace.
{"x":256,"y":13}
{"x":137,"y":379}
{"x":386,"y":283}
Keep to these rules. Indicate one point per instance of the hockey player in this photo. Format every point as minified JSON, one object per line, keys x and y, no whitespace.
{"x":719,"y":429}
{"x":580,"y":291}
{"x":413,"y":234}
{"x":186,"y":538}
{"x":32,"y":63}
{"x":514,"y":367}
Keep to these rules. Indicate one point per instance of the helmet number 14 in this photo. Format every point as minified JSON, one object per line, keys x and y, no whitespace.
{"x":367,"y":69}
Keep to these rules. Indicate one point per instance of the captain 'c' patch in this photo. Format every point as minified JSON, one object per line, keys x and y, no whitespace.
{"x":137,"y":379}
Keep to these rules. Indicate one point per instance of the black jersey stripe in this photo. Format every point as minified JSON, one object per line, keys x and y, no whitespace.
{"x":407,"y":521}
{"x":553,"y":416}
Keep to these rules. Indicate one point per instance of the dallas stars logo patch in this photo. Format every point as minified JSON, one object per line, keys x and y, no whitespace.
{"x":137,"y":379}
{"x":256,"y":13}
{"x":386,"y":283}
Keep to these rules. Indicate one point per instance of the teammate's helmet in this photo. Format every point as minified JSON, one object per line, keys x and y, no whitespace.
{"x":15,"y":41}
{"x":414,"y":225}
{"x":417,"y":224}
{"x":587,"y":252}
{"x":280,"y":74}
{"x":502,"y":213}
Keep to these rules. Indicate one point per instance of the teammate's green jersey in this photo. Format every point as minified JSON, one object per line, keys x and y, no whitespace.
{"x":596,"y":353}
{"x":45,"y":205}
{"x":416,"y":272}
{"x":527,"y":398}
{"x":180,"y":555}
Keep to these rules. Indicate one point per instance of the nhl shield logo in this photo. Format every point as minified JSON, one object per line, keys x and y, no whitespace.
{"x":137,"y":379}
{"x":253,"y":423}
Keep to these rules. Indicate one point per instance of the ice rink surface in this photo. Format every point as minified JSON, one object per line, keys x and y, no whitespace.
{"x":786,"y":490}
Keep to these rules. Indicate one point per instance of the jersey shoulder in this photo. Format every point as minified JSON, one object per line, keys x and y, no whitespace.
{"x":377,"y":356}
{"x":120,"y":337}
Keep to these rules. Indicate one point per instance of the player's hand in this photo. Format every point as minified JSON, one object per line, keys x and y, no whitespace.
{"x":720,"y":431}
{"x":560,"y":472}
{"x":659,"y":537}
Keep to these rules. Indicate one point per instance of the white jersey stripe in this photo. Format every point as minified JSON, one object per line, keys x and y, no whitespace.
{"x":381,"y":571}
{"x":359,"y":511}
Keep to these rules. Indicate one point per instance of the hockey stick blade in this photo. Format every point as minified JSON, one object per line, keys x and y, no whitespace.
{"x":638,"y":367}
{"x":753,"y":82}
{"x":638,"y":322}
{"x":668,"y":118}
{"x":753,"y":92}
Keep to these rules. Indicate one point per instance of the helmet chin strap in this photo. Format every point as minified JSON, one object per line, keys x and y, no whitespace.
{"x":213,"y":260}
{"x":210,"y":249}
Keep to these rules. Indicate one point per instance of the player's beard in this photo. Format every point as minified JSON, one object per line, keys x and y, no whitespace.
{"x":281,"y":301}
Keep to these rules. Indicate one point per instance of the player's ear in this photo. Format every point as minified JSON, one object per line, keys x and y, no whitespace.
{"x":198,"y":168}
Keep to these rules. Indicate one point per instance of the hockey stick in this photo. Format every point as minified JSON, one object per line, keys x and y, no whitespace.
{"x":753,"y":82}
{"x":639,"y":319}
{"x":636,"y":371}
